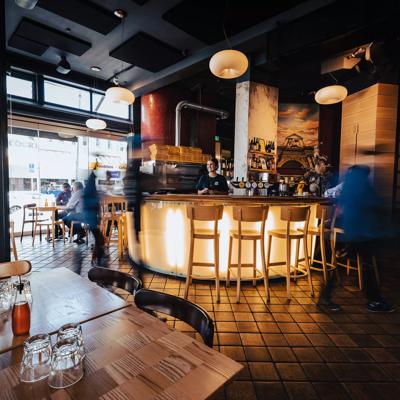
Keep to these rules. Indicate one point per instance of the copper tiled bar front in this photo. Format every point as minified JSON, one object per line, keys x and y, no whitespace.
{"x":165,"y":232}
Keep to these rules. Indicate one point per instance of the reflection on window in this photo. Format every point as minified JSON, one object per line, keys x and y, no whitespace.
{"x":108,"y":108}
{"x":69,"y":96}
{"x":20,"y":87}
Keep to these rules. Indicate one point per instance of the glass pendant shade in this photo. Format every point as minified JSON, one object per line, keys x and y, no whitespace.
{"x":228,"y":64}
{"x":118,"y":94}
{"x":331,"y":94}
{"x":95,"y":124}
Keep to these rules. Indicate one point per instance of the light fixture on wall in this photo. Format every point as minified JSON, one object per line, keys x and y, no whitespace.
{"x":117,"y":93}
{"x":228,"y":64}
{"x":28,"y":4}
{"x":63,"y":67}
{"x":331,"y":94}
{"x":96,"y":124}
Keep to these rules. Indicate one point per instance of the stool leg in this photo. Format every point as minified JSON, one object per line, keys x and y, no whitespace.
{"x":190,"y":267}
{"x":348,"y":266}
{"x":308,"y":265}
{"x":22,"y":232}
{"x":239,"y":270}
{"x":296,"y":261}
{"x":254,"y":262}
{"x":375,"y":267}
{"x":216,"y":256}
{"x":264,"y":268}
{"x":288,"y":245}
{"x":323,"y":256}
{"x":266,"y":272}
{"x":71,"y":232}
{"x":360,"y":271}
{"x":228,"y":272}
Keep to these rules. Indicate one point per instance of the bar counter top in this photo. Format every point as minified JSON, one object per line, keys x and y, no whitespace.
{"x":230,"y":199}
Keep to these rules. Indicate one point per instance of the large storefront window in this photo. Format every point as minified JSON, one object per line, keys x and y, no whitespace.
{"x":40,"y":162}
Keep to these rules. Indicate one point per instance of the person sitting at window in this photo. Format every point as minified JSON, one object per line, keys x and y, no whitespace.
{"x":74,"y":209}
{"x":212,"y":183}
{"x":65,"y":195}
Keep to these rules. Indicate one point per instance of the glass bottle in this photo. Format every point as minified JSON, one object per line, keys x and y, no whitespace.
{"x":21,"y":313}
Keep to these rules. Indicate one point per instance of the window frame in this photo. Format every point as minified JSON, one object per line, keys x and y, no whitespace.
{"x":26,"y":77}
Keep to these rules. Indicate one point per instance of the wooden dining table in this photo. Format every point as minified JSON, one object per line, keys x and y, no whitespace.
{"x":60,"y":296}
{"x":130,"y":355}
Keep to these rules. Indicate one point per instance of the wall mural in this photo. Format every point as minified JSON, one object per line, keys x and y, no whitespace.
{"x":297,"y":136}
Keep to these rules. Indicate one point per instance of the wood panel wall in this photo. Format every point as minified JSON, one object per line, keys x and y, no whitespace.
{"x":368,"y":134}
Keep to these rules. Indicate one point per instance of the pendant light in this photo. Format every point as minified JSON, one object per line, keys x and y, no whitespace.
{"x":331,"y":94}
{"x":96,"y":124}
{"x":119,"y":94}
{"x":229,"y":63}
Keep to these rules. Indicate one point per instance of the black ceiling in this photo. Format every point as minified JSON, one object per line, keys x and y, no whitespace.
{"x":163,"y":41}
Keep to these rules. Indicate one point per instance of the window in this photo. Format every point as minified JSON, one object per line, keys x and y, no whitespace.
{"x":20,"y":87}
{"x":108,"y":108}
{"x":68,"y":96}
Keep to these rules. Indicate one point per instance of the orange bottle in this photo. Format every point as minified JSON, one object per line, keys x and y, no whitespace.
{"x":21,"y":313}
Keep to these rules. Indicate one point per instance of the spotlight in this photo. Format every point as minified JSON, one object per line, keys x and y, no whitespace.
{"x":120,"y":13}
{"x":95,"y":68}
{"x":28,"y":4}
{"x":63,"y":67}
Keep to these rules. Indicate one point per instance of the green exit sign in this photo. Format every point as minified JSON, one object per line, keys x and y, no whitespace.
{"x":216,"y":138}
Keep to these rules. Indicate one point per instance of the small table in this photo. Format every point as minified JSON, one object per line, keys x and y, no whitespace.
{"x":131,"y":355}
{"x":59,"y":297}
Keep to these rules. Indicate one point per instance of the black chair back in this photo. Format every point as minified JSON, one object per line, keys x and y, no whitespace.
{"x":109,"y":277}
{"x":184,"y":310}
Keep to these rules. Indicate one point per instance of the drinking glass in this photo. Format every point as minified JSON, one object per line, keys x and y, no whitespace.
{"x":66,"y":364}
{"x":35,"y":364}
{"x":72,"y":331}
{"x":6,"y":296}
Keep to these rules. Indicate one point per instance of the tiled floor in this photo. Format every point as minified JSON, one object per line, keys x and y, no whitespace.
{"x":291,"y":350}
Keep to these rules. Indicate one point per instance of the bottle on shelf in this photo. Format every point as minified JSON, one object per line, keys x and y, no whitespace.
{"x":242,"y":184}
{"x":21,"y":313}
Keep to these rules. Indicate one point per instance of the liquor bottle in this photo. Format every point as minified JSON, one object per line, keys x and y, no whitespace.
{"x":21,"y":313}
{"x":46,"y":203}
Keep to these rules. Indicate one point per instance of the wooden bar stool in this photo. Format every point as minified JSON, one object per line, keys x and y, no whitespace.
{"x":290,"y":214}
{"x":243,"y":215}
{"x":204,"y":213}
{"x":324,"y":214}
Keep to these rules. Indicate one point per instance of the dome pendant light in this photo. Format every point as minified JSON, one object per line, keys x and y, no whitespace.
{"x":228,"y":64}
{"x":96,"y":124}
{"x":118,"y":94}
{"x":331,"y":94}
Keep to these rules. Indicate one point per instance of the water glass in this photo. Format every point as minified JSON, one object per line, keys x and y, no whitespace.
{"x":35,"y":364}
{"x":6,"y":296}
{"x":66,"y":364}
{"x":72,"y":331}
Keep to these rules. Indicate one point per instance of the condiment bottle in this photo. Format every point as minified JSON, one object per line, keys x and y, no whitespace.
{"x":21,"y":313}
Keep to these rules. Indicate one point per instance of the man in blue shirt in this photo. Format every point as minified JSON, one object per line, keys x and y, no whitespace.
{"x":212,"y":183}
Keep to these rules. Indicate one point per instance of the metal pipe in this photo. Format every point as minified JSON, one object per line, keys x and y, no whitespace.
{"x":187,"y":104}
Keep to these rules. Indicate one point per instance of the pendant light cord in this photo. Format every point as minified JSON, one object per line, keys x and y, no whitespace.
{"x":223,"y":25}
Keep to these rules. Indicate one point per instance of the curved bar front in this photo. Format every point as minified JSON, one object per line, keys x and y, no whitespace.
{"x":165,"y":233}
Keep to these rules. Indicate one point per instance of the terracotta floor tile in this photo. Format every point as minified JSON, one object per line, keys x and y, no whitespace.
{"x":381,"y":355}
{"x":268,"y":327}
{"x":234,"y":352}
{"x":290,"y":371}
{"x":229,"y":339}
{"x":330,"y":391}
{"x":226,"y":327}
{"x":357,"y":355}
{"x":342,"y":340}
{"x":257,"y":354}
{"x":240,"y":391}
{"x":297,"y":339}
{"x":252,"y":339}
{"x":244,"y":326}
{"x":331,"y":354}
{"x":318,"y":372}
{"x":310,"y":328}
{"x":274,"y":339}
{"x":263,"y":371}
{"x":289,"y":327}
{"x":301,"y":391}
{"x":319,"y":339}
{"x":282,"y":354}
{"x":270,"y":391}
{"x":306,"y":354}
{"x":243,"y":316}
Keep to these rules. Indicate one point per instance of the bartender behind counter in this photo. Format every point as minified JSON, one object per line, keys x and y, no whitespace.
{"x":212,"y":183}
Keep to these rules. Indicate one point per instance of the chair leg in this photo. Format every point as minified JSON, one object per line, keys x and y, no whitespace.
{"x":190,"y":268}
{"x":239,"y":270}
{"x":296,"y":260}
{"x":288,"y":245}
{"x":266,"y":272}
{"x":228,"y":272}
{"x":22,"y":231}
{"x":40,"y":233}
{"x":34,"y":234}
{"x":63,"y":230}
{"x":216,"y":256}
{"x":307,"y":261}
{"x":254,"y":263}
{"x":53,"y":234}
{"x":348,"y":266}
{"x":323,"y":256}
{"x":14,"y":247}
{"x":360,"y":271}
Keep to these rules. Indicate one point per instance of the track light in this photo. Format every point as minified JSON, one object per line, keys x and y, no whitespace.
{"x":63,"y":67}
{"x":28,"y":4}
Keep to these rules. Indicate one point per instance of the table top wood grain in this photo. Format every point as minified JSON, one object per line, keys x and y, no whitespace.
{"x":131,"y":355}
{"x":60,"y":296}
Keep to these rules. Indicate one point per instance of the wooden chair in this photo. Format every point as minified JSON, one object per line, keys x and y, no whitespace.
{"x":49,"y":222}
{"x":14,"y":268}
{"x":29,"y":211}
{"x":210,"y":214}
{"x":243,"y":215}
{"x":109,"y":277}
{"x":184,"y":310}
{"x":112,"y":209}
{"x":325,"y":214}
{"x":12,"y":241}
{"x":84,"y":226}
{"x":290,"y":215}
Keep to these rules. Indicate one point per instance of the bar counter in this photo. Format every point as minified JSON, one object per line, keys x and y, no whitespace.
{"x":165,"y":232}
